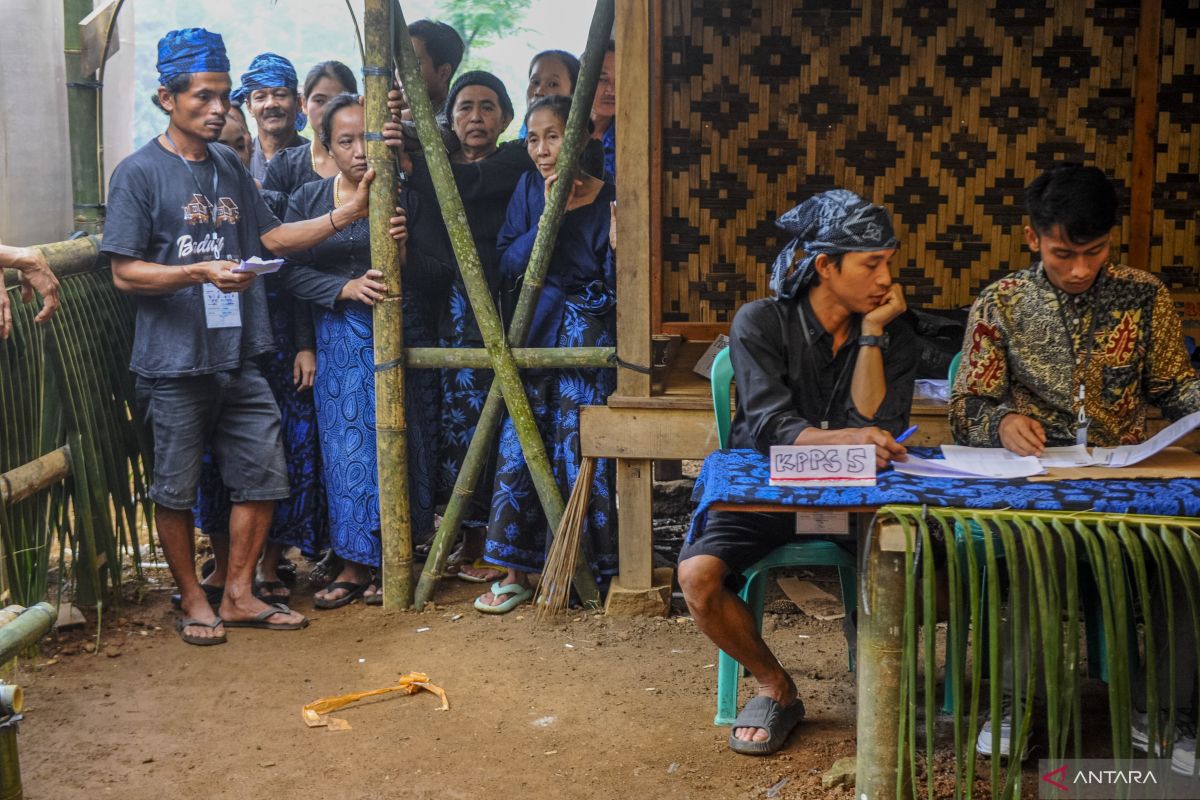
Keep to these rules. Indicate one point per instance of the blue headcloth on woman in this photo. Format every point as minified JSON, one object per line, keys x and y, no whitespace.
{"x":833,"y":222}
{"x":190,"y":50}
{"x":267,"y":71}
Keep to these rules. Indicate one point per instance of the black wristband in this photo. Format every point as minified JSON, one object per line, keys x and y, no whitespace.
{"x":334,"y":224}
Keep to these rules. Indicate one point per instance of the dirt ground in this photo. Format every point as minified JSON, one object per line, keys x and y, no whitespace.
{"x":588,"y":707}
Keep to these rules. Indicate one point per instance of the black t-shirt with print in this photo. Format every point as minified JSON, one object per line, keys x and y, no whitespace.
{"x":164,"y":211}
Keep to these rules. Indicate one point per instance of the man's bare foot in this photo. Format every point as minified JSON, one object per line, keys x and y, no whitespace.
{"x":195,"y":606}
{"x":785,"y":694}
{"x":245,"y":607}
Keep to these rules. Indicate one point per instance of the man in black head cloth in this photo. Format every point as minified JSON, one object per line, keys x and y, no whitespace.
{"x":825,"y":361}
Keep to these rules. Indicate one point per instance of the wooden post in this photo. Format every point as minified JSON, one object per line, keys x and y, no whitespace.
{"x":82,"y":111}
{"x":634,"y":481}
{"x":1145,"y":133}
{"x":879,"y":645}
{"x":526,"y":357}
{"x":391,"y":434}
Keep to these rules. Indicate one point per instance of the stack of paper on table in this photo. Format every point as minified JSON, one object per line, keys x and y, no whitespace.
{"x":998,"y":463}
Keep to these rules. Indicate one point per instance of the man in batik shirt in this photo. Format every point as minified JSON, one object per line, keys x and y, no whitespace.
{"x":1072,"y":351}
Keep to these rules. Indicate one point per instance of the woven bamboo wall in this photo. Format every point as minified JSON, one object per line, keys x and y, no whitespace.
{"x":942,"y":111}
{"x":1175,"y":237}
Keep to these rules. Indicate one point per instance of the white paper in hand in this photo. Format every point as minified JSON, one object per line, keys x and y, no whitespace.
{"x":258,"y":266}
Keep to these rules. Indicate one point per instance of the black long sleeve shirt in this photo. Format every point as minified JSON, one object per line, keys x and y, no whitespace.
{"x":785,"y":385}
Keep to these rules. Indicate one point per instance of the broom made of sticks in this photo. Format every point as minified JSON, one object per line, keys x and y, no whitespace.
{"x":554,"y":590}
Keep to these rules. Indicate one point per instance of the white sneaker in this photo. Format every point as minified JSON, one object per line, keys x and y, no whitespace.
{"x":984,"y":740}
{"x":1183,"y":755}
{"x":1182,"y":744}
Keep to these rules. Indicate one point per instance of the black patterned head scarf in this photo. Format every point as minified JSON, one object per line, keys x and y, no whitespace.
{"x":833,"y":222}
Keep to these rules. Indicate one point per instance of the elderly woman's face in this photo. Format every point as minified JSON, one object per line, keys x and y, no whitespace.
{"x":479,"y":118}
{"x":544,"y":139}
{"x":548,"y":77}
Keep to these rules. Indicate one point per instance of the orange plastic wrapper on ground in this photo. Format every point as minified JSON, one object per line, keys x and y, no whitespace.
{"x":314,"y":714}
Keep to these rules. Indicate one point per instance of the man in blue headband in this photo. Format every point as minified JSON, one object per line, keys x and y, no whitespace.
{"x":182,"y":214}
{"x":269,"y":86}
{"x":825,"y":361}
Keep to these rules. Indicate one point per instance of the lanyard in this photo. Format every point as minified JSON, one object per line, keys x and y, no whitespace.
{"x":1081,"y":417}
{"x":816,"y":378}
{"x":212,"y":204}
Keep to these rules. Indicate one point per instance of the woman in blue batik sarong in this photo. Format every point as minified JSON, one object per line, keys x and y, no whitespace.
{"x":576,"y":308}
{"x":336,"y":278}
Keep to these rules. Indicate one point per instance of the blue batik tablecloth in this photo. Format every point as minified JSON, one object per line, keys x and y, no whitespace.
{"x":743,"y":476}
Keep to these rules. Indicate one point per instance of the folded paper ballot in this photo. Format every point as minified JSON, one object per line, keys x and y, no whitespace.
{"x":258,"y":266}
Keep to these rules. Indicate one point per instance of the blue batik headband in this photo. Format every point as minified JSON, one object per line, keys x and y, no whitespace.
{"x":190,"y":50}
{"x":267,"y":71}
{"x":833,"y":222}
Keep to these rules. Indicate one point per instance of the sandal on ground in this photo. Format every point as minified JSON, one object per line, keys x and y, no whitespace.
{"x":212,"y":593}
{"x":259,"y":620}
{"x":352,"y":592}
{"x":272,"y":591}
{"x":377,"y":598}
{"x":519,"y":592}
{"x":479,"y":563}
{"x":766,"y":713}
{"x":183,"y":623}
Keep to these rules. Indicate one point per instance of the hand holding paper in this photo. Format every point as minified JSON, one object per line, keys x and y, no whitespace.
{"x":258,"y":266}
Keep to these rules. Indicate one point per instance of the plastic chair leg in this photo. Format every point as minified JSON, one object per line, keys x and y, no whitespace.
{"x":728,"y":673}
{"x":848,"y":579}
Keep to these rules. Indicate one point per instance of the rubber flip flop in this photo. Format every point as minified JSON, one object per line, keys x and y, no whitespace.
{"x":270,"y":591}
{"x":479,"y":563}
{"x":259,"y":620}
{"x":766,"y":713}
{"x":520,"y":594}
{"x":200,"y":641}
{"x":352,"y":592}
{"x":213,"y":593}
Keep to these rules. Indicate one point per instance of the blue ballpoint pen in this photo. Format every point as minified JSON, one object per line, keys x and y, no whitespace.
{"x":906,"y":434}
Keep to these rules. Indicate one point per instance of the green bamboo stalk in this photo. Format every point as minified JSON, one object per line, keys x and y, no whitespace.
{"x":929,"y":610}
{"x":391,"y":429}
{"x":535,"y":272}
{"x":82,"y":114}
{"x":955,"y":645}
{"x":526,"y":357}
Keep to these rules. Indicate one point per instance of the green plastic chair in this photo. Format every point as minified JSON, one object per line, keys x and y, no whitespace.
{"x":797,"y":554}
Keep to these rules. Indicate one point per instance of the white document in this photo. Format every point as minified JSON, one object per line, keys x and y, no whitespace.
{"x":1076,"y":455}
{"x":990,"y":462}
{"x":931,"y":468}
{"x":258,"y":266}
{"x":221,"y":310}
{"x":1130,"y":454}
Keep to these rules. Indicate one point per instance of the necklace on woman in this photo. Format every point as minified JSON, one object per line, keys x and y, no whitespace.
{"x":337,"y":190}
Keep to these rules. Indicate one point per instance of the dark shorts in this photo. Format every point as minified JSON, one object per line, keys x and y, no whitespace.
{"x":740,"y":538}
{"x":235,"y":413}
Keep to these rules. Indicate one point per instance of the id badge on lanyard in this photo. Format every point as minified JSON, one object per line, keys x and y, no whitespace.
{"x":1081,"y":419}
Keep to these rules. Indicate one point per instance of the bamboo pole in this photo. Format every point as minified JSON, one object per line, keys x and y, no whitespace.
{"x":70,"y":257}
{"x":19,"y":483}
{"x":535,"y":273}
{"x":526,"y":357}
{"x":390,"y":426}
{"x":24,"y":631}
{"x":82,"y":115}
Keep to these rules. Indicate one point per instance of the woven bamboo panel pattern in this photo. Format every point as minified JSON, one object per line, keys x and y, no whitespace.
{"x":1175,"y":238}
{"x":942,"y":111}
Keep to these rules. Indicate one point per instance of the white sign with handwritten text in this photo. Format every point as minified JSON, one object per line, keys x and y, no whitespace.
{"x":823,"y":465}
